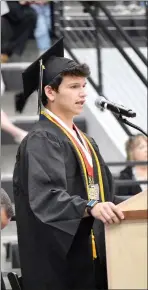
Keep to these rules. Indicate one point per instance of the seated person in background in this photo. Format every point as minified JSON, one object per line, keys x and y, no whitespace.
{"x":43,"y":23}
{"x":136,"y":149}
{"x":17,"y":24}
{"x":6,"y":209}
{"x":6,"y":215}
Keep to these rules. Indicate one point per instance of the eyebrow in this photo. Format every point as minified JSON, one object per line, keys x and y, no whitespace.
{"x":71,"y":84}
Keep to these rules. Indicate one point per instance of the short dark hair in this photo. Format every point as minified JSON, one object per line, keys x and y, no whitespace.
{"x":6,"y":204}
{"x":79,"y":70}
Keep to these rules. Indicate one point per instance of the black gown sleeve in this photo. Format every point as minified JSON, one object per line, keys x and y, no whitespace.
{"x":47,"y":187}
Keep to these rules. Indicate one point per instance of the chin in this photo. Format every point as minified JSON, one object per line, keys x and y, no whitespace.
{"x":78,"y":112}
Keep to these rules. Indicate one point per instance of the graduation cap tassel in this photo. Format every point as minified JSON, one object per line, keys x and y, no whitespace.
{"x":94,"y":252}
{"x":40,"y":86}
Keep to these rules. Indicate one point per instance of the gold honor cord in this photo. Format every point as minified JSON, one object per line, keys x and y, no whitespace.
{"x":98,"y":169}
{"x":84,"y":170}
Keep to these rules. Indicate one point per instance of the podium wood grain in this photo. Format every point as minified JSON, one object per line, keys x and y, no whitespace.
{"x":126,"y":247}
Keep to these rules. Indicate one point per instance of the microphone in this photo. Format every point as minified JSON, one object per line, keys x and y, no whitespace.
{"x":115,"y":108}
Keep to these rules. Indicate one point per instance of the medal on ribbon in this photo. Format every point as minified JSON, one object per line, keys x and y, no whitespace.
{"x":93,"y":189}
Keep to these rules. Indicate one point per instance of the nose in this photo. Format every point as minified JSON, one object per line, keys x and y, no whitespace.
{"x":83,"y":93}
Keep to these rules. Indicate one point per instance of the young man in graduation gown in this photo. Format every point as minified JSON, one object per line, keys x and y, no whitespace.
{"x":61,"y":184}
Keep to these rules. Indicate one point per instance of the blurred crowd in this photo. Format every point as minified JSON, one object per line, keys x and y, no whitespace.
{"x":129,"y":7}
{"x":20,"y":20}
{"x":124,"y":8}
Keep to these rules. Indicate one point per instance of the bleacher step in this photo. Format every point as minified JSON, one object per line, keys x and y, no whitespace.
{"x":8,"y":104}
{"x":8,"y":154}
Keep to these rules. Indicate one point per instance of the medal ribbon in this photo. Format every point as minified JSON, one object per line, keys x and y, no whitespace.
{"x":89,"y":167}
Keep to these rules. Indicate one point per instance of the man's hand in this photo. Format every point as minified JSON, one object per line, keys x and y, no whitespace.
{"x":107,"y":212}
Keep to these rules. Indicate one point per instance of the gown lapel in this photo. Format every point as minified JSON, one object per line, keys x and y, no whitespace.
{"x":42,"y":117}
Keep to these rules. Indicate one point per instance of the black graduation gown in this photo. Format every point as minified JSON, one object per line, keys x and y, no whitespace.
{"x":50,"y":200}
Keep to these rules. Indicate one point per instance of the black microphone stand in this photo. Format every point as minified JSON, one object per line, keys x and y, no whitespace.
{"x":125,"y":121}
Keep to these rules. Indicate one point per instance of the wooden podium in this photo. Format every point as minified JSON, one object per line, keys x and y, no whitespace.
{"x":127,"y":245}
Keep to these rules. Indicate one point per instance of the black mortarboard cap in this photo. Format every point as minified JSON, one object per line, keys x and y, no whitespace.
{"x":45,"y":69}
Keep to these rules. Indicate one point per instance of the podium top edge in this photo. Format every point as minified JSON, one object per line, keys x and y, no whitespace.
{"x":135,"y":214}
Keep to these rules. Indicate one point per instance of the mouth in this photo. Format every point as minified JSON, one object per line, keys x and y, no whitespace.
{"x":80,"y":103}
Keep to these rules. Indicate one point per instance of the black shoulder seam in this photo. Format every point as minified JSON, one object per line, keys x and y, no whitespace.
{"x":45,"y":134}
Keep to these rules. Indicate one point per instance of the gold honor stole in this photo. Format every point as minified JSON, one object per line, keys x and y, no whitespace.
{"x":88,"y":177}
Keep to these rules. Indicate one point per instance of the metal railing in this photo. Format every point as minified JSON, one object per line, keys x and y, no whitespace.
{"x":127,"y":182}
{"x":127,"y":163}
{"x":122,"y":32}
{"x":98,"y":23}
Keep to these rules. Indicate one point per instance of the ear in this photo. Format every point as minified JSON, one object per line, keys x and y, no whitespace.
{"x":49,"y":93}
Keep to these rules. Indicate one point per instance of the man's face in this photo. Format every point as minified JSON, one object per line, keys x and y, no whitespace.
{"x":4,"y":219}
{"x":71,"y":95}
